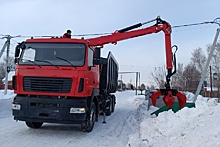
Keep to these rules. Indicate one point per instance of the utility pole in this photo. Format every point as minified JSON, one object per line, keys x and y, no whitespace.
{"x":215,"y":21}
{"x":7,"y":68}
{"x":206,"y":65}
{"x":137,"y":73}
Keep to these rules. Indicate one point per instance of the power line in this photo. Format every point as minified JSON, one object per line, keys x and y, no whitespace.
{"x":95,"y":34}
{"x":133,"y":66}
{"x":187,"y":25}
{"x":14,"y":40}
{"x":215,"y":21}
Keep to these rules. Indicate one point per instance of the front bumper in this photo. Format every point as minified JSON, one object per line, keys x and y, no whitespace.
{"x":49,"y":109}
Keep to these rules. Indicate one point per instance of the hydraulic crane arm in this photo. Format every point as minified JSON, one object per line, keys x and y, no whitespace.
{"x":125,"y":33}
{"x":160,"y":25}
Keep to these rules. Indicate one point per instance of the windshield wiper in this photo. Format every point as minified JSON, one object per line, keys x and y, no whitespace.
{"x":66,"y":61}
{"x":47,"y":62}
{"x":31,"y":62}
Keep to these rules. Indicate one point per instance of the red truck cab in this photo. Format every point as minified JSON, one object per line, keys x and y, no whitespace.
{"x":57,"y":80}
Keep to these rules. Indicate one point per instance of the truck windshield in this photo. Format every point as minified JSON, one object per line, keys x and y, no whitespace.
{"x":74,"y":53}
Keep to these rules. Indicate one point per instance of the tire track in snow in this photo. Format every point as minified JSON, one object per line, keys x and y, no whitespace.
{"x":115,"y":133}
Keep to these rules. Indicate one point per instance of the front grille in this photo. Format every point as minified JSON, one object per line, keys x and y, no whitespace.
{"x":37,"y":84}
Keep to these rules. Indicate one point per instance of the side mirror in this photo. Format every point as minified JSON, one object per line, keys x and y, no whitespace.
{"x":97,"y":53}
{"x":16,"y":60}
{"x":22,"y":45}
{"x":17,"y":51}
{"x":97,"y":56}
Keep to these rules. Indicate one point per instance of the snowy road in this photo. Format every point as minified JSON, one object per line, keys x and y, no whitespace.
{"x":123,"y":122}
{"x":131,"y":125}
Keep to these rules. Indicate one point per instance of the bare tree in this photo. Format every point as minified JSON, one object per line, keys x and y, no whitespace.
{"x":142,"y":87}
{"x":178,"y":81}
{"x":3,"y":66}
{"x":159,"y":76}
{"x":188,"y":78}
{"x":215,"y":60}
{"x":2,"y":70}
{"x":185,"y":78}
{"x":215,"y":63}
{"x":191,"y":76}
{"x":198,"y":59}
{"x":151,"y":87}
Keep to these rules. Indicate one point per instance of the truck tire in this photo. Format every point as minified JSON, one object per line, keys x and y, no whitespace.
{"x":34,"y":125}
{"x":91,"y":118}
{"x":109,"y":105}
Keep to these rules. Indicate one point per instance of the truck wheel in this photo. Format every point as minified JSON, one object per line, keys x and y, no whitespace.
{"x":88,"y":126}
{"x":34,"y":125}
{"x":109,"y":110}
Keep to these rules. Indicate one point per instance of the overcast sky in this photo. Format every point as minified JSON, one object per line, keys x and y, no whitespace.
{"x":54,"y":17}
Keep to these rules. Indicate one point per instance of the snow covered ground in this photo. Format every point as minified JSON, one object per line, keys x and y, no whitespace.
{"x":131,"y":125}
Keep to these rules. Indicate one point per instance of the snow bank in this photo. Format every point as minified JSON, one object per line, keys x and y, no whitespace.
{"x":10,"y":94}
{"x":189,"y":96}
{"x":133,"y":125}
{"x":5,"y":103}
{"x":188,"y":127}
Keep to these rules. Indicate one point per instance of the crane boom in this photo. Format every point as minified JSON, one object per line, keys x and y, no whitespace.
{"x":124,"y":34}
{"x":128,"y":33}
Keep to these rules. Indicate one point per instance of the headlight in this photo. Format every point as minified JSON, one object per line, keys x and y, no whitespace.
{"x":16,"y":107}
